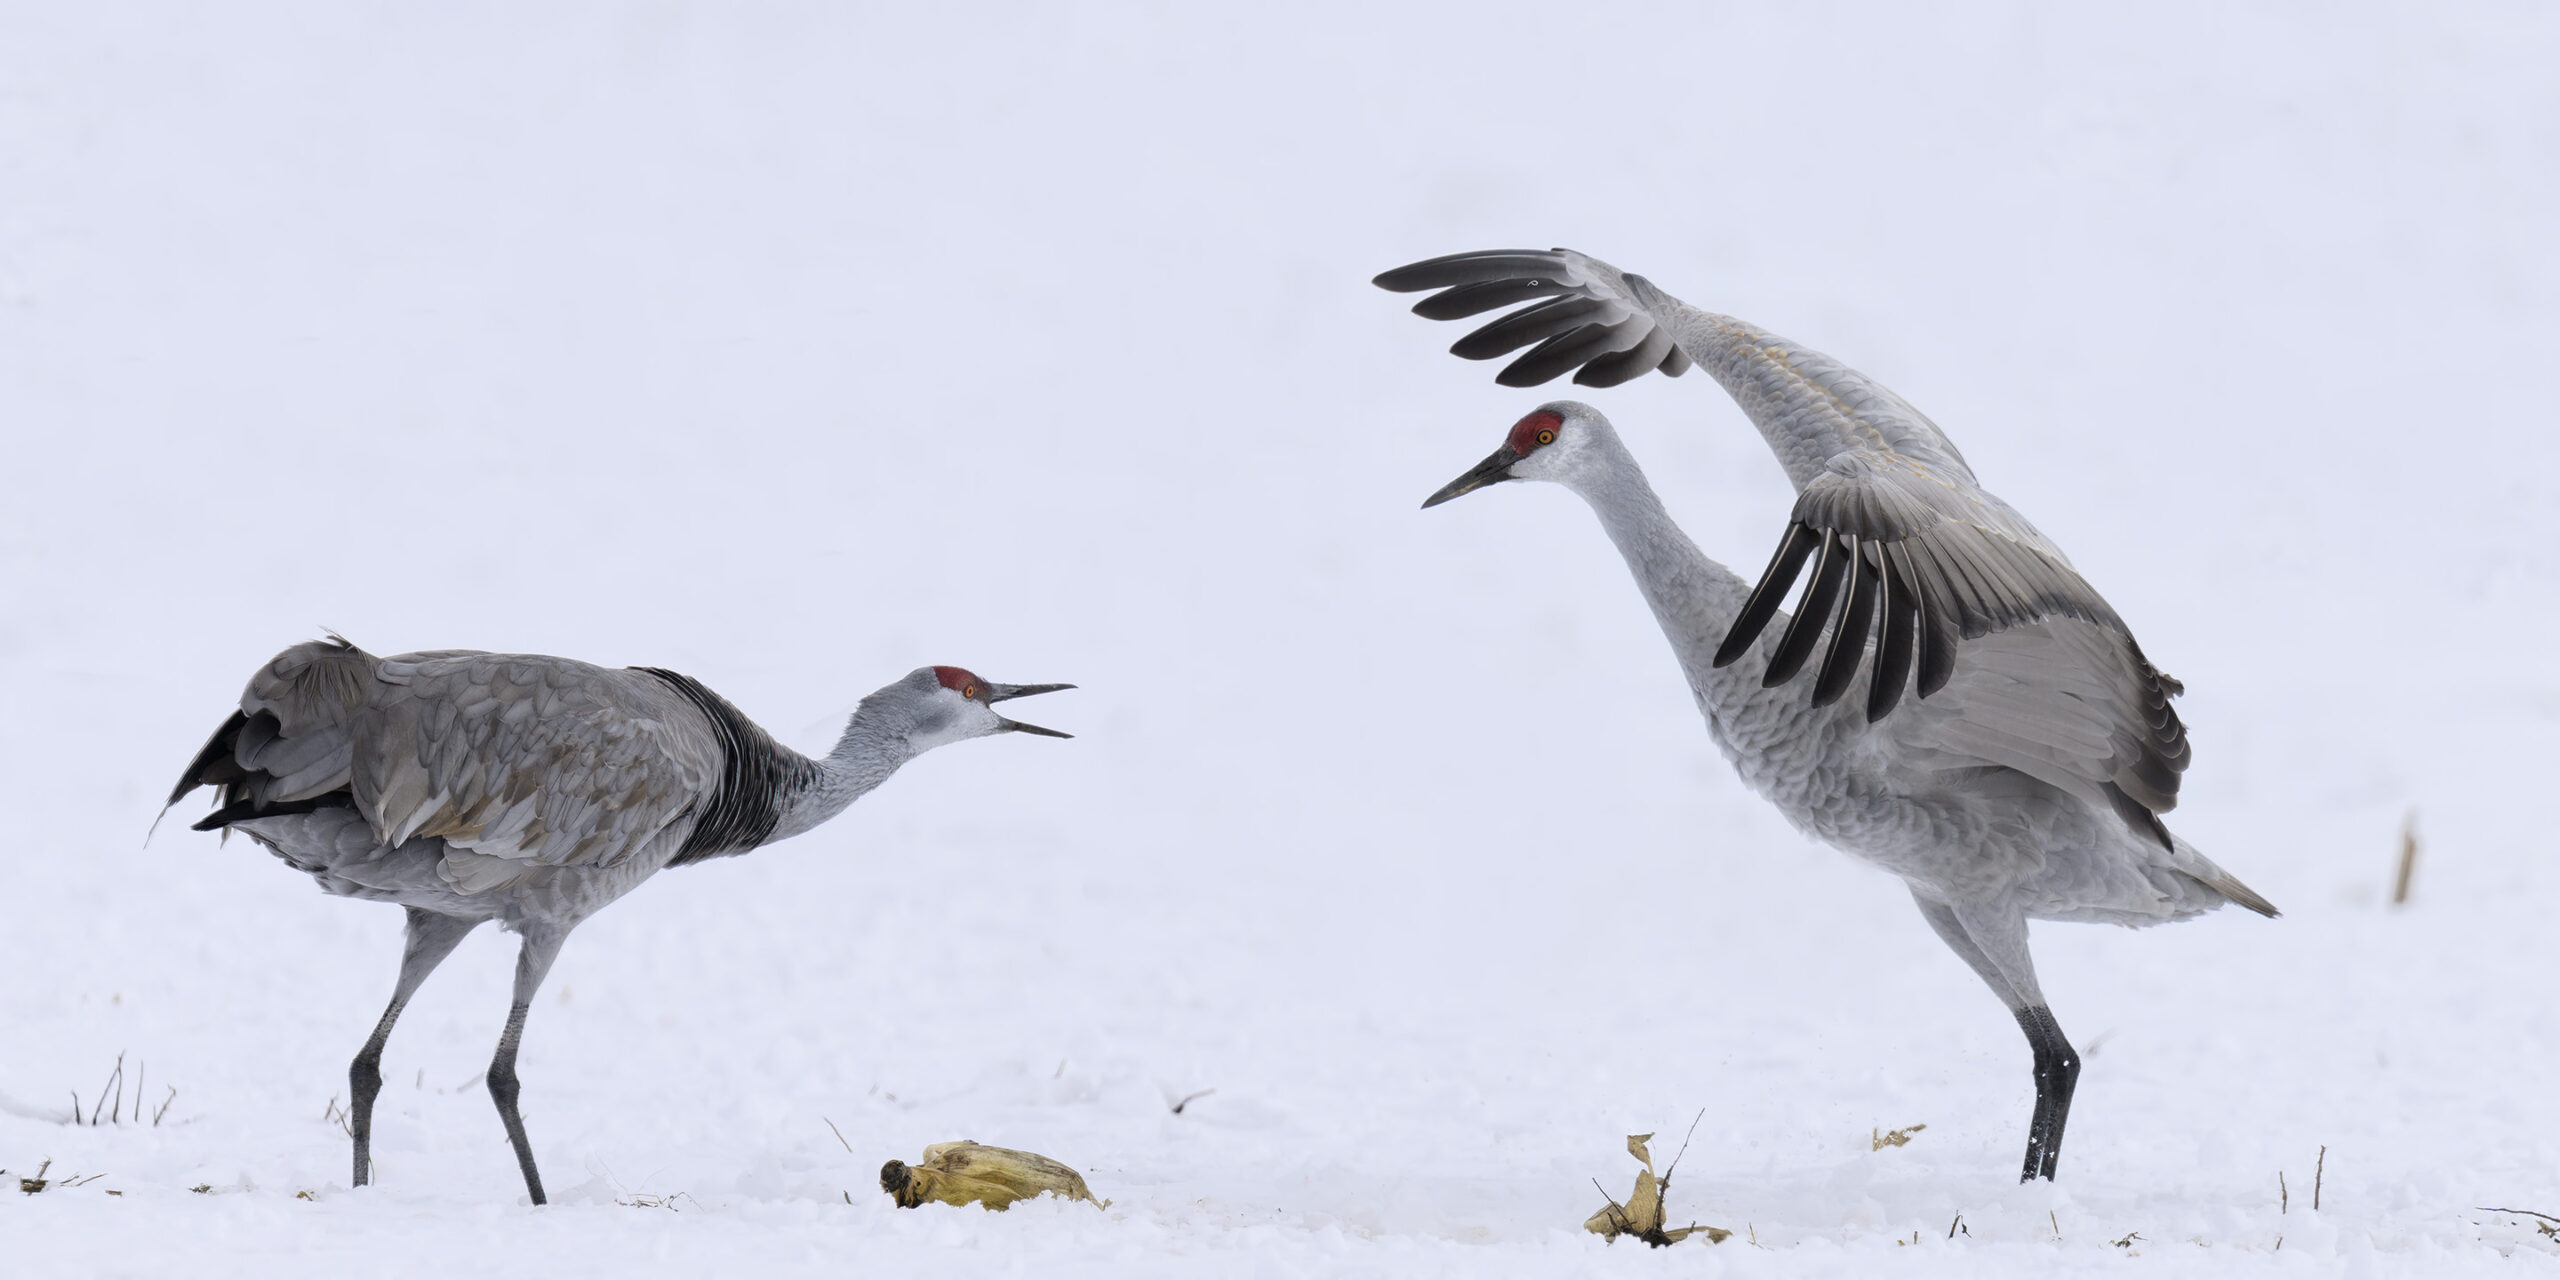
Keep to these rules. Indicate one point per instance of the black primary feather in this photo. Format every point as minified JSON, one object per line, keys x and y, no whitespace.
{"x":214,"y":765}
{"x":1849,"y":639}
{"x":1527,"y":325}
{"x":1561,"y":352}
{"x":1793,"y":547}
{"x":1811,"y":612}
{"x":1476,"y":299}
{"x":1893,"y":652}
{"x":1469,"y":268}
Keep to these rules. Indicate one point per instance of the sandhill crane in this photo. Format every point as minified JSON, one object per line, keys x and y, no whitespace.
{"x":532,"y":791}
{"x":2027,"y":778}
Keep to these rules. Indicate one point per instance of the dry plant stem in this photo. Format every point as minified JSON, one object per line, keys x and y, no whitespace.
{"x":115,"y":1081}
{"x":1674,"y":1167}
{"x":848,"y":1147}
{"x":2316,"y":1172}
{"x":1617,"y":1212}
{"x":2526,"y":1212}
{"x":2408,"y":860}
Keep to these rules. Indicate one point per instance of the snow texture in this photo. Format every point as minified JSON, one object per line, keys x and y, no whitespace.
{"x":794,"y":346}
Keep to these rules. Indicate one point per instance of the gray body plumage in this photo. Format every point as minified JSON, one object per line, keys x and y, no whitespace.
{"x":521,"y":788}
{"x":532,"y":791}
{"x":1990,"y":790}
{"x":2015,"y":749}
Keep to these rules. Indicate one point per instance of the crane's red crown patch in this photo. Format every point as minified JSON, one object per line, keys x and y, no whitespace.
{"x":1534,"y":431}
{"x":959,"y":680}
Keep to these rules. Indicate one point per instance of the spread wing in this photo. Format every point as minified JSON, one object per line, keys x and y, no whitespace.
{"x":1912,"y":561}
{"x":517,"y":759}
{"x":1608,"y":327}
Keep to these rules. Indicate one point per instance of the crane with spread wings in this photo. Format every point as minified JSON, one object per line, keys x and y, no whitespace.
{"x":2014,"y":750}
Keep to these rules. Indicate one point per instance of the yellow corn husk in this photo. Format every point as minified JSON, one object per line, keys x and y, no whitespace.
{"x":967,"y":1173}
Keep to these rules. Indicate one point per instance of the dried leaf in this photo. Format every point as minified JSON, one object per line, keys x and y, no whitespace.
{"x":1896,"y":1138}
{"x":1644,"y":1205}
{"x":968,"y":1173}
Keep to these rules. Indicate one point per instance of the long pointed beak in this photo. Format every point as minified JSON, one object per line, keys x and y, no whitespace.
{"x":999,"y":692}
{"x":1493,"y":470}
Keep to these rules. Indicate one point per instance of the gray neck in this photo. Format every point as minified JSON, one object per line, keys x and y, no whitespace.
{"x":1694,"y":598}
{"x":871,"y":749}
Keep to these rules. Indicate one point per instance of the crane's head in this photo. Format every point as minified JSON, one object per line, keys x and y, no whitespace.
{"x":1552,"y":443}
{"x":951,"y":704}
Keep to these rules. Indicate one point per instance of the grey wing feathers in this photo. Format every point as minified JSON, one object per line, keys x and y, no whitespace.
{"x":541,"y":759}
{"x":1905,"y":546}
{"x":290,"y":741}
{"x":2066,"y":701}
{"x":513,"y":757}
{"x":1590,"y":323}
{"x":1931,"y":563}
{"x":1611,"y":327}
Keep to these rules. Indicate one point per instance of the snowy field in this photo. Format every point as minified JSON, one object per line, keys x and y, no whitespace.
{"x":793,"y":348}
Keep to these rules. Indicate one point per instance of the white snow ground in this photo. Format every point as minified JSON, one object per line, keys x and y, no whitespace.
{"x":794,"y":347}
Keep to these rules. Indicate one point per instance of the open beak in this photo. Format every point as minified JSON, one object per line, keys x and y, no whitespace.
{"x":1493,"y":470}
{"x":999,"y":692}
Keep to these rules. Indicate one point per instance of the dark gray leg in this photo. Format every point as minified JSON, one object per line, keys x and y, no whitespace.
{"x":1994,"y":942}
{"x":541,"y":947}
{"x":432,"y":937}
{"x":2057,"y":1073}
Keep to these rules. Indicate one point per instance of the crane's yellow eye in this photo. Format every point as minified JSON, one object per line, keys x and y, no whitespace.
{"x":1546,"y":437}
{"x":969,"y":692}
